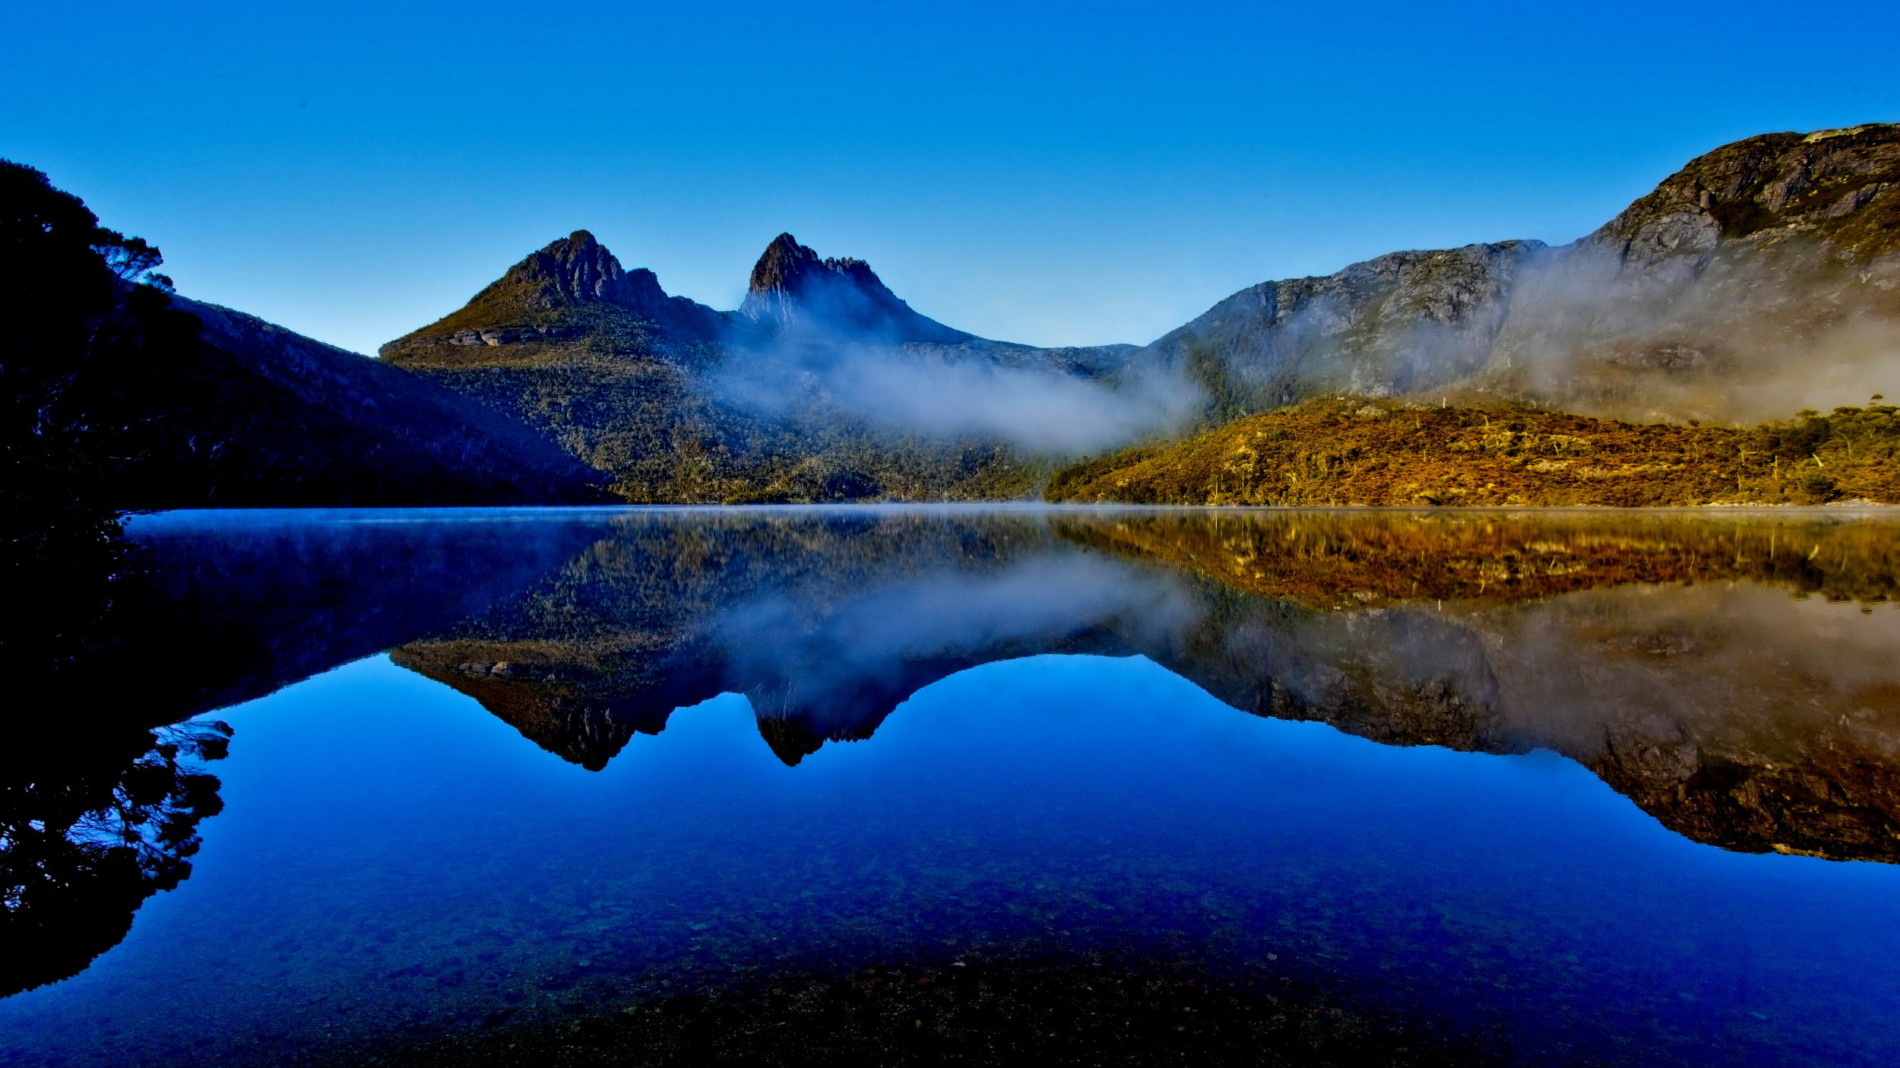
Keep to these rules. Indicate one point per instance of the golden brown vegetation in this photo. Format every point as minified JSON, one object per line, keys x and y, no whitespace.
{"x":1354,"y":451}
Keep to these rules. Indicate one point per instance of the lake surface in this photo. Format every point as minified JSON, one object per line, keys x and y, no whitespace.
{"x":1550,"y":788}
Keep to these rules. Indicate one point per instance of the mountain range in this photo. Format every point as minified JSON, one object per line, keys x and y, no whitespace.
{"x":776,"y":400}
{"x":1761,"y":278}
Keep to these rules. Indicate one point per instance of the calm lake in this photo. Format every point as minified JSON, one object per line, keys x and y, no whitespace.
{"x":1546,"y":788}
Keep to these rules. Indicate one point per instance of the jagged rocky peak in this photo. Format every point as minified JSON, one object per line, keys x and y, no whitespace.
{"x":577,"y":269}
{"x":568,"y":293}
{"x":783,"y":266}
{"x":789,"y":268}
{"x":793,"y":289}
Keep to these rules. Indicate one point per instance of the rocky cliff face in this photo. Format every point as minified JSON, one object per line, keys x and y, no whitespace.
{"x":1841,"y":184}
{"x":792,"y":292}
{"x":577,"y":269}
{"x":573,"y":297}
{"x":1762,"y":277}
{"x":1402,"y":323}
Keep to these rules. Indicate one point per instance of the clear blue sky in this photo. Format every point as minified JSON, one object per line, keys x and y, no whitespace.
{"x":1043,"y":172}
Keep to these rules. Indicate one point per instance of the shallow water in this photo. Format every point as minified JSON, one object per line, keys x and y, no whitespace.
{"x":1584,"y":787}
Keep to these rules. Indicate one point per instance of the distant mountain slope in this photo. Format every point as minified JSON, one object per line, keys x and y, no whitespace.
{"x":1403,"y":322}
{"x":573,"y":299}
{"x":1762,"y":277}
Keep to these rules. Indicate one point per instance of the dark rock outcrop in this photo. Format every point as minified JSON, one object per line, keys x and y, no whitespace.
{"x":794,"y":292}
{"x":568,"y":298}
{"x":577,"y":269}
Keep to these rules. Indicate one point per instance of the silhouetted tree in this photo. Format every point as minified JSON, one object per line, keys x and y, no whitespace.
{"x":88,"y":326}
{"x":87,"y":836}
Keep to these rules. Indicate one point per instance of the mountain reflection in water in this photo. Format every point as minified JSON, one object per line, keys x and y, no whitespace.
{"x":1733,"y":676}
{"x":1666,"y":654}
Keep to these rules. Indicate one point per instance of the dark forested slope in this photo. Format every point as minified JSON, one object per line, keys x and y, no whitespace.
{"x":119,"y":395}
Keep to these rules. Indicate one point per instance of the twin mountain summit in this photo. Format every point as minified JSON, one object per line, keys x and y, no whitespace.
{"x":1683,"y":353}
